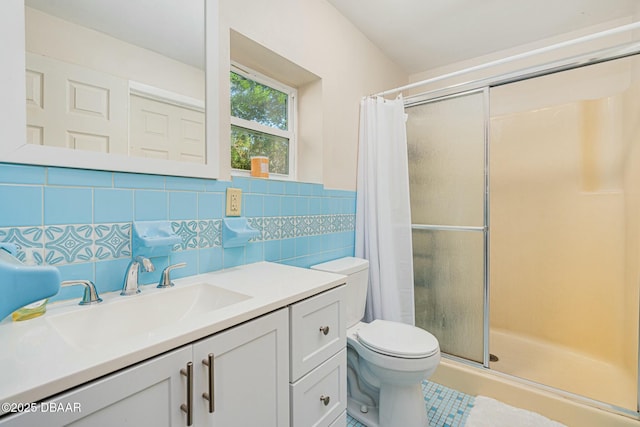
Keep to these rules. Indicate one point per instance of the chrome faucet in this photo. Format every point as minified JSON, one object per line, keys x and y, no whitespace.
{"x":165,"y":278}
{"x":130,"y":285}
{"x":90,"y":293}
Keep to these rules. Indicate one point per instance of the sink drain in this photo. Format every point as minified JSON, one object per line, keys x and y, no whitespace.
{"x":493,"y":358}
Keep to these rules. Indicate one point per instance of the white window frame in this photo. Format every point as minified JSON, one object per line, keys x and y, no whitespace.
{"x":292,"y":116}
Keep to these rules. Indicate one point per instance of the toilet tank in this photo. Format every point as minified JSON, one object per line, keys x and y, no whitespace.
{"x":357,"y":272}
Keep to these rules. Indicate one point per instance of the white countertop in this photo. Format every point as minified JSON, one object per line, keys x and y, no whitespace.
{"x":36,"y":362}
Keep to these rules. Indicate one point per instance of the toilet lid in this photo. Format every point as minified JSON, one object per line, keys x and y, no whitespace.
{"x":398,"y":339}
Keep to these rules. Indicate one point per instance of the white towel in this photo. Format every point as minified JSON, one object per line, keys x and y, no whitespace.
{"x":487,"y":412}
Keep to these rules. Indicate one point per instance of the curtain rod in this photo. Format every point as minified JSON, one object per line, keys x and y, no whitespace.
{"x":589,"y":37}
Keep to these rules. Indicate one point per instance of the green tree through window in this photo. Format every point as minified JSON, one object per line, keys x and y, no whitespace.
{"x":260,"y":124}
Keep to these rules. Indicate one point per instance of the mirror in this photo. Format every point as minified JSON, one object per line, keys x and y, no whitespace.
{"x":118,"y":85}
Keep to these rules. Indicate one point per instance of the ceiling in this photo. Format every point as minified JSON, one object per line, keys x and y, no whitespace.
{"x":420,"y":35}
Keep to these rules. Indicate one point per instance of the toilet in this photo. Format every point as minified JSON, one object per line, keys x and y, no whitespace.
{"x":386,"y":361}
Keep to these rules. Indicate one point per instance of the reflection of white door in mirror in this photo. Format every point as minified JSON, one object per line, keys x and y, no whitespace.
{"x":79,"y":78}
{"x":164,"y":130}
{"x":84,"y":109}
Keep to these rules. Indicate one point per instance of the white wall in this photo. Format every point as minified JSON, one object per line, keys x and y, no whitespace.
{"x":314,"y":36}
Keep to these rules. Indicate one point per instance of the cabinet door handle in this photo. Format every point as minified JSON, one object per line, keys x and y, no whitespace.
{"x":209,"y":395}
{"x":324,"y":330}
{"x":325,"y":399}
{"x":188,"y":407}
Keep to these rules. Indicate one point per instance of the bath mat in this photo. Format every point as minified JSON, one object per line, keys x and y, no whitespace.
{"x":487,"y":412}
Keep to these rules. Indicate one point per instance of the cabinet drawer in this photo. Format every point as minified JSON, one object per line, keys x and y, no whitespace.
{"x":318,"y":330}
{"x":329,"y":382}
{"x":341,"y":421}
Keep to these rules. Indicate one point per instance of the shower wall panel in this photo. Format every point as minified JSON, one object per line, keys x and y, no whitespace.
{"x":631,"y":183}
{"x":565,"y":215}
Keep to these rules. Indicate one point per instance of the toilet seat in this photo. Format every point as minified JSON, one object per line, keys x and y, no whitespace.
{"x":397,"y":340}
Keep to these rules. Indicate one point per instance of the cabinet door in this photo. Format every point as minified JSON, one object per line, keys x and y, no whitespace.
{"x":250,"y":374}
{"x":147,"y":394}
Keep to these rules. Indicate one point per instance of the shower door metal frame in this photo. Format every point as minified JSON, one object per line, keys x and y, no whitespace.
{"x":485,"y":85}
{"x":484,"y":228}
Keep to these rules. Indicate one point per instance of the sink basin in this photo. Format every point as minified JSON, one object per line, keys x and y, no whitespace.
{"x":141,"y":315}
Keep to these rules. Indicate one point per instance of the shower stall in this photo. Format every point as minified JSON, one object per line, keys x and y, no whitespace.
{"x":525,"y":198}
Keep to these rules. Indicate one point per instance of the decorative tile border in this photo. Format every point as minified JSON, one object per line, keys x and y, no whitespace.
{"x":112,"y":241}
{"x":25,"y":238}
{"x":288,"y":227}
{"x":75,"y":243}
{"x":209,"y":233}
{"x":66,"y":244}
{"x":188,"y":231}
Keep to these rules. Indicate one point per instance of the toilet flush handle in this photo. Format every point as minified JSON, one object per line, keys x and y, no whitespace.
{"x":324,"y":330}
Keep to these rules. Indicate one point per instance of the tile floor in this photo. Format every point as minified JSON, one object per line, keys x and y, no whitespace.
{"x":445,"y":407}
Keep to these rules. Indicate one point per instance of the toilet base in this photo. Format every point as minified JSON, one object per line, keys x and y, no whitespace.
{"x":402,"y":405}
{"x":399,"y":406}
{"x":369,"y":419}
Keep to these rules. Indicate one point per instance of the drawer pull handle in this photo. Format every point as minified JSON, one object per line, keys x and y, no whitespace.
{"x":324,"y":330}
{"x":209,"y":395}
{"x":325,"y":399}
{"x":188,"y":407}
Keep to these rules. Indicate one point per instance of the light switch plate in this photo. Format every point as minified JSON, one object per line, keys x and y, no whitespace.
{"x":234,"y":201}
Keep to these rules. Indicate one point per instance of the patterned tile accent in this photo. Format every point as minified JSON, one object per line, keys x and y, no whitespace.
{"x":188,"y":231}
{"x":445,"y":407}
{"x":272,"y":228}
{"x":25,"y":238}
{"x":112,"y":241}
{"x":68,"y":243}
{"x":65,"y":244}
{"x":287,"y":227}
{"x":258,"y":224}
{"x":210,"y":233}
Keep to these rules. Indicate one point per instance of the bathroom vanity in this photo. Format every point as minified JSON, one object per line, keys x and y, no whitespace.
{"x":261,"y":344}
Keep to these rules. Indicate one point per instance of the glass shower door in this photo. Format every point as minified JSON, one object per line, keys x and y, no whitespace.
{"x":446,"y":141}
{"x":565,"y":230}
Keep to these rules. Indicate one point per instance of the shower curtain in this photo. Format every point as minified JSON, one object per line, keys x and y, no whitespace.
{"x":383,"y":215}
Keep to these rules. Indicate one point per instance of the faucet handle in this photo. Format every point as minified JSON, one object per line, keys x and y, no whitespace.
{"x":165,"y":278}
{"x":145,"y":264}
{"x":90,"y":292}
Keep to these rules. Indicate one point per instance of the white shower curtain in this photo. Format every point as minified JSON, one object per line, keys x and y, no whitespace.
{"x":383,"y":215}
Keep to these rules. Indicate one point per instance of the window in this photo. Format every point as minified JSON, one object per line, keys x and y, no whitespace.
{"x":262,"y":122}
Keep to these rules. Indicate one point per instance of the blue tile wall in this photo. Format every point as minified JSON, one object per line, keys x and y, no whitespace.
{"x":80,"y":221}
